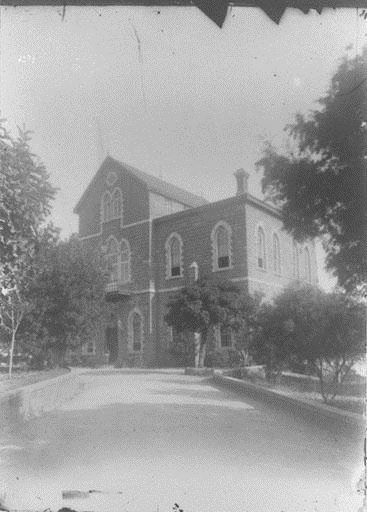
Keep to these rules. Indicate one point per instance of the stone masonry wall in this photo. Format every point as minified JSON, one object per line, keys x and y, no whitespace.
{"x":194,"y":227}
{"x":267,"y":280}
{"x":135,"y":199}
{"x":150,"y":287}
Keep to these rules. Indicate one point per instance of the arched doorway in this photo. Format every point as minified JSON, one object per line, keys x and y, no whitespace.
{"x":136,"y":331}
{"x":111,"y":340}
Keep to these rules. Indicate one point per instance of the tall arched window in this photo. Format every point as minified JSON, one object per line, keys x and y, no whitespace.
{"x":276,"y":254}
{"x":295,"y":261}
{"x":174,"y":256}
{"x":106,"y":207}
{"x":261,"y":252}
{"x":307,"y":265}
{"x":116,"y":204}
{"x":112,"y":259}
{"x":221,"y":241}
{"x":125,"y":261}
{"x":135,"y":330}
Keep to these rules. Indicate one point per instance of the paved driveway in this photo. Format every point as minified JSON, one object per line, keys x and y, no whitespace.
{"x":153,"y":439}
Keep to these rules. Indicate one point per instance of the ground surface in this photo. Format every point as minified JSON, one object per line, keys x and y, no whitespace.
{"x":23,"y":378}
{"x":153,"y":439}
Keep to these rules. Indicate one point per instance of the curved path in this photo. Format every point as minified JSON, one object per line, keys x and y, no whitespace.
{"x":149,"y":440}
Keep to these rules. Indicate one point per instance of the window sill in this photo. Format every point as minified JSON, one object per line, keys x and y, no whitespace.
{"x":261,"y":269}
{"x":217,"y":269}
{"x":168,"y":278}
{"x":110,"y":220}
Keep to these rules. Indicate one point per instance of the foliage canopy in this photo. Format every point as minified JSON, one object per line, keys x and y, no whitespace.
{"x":207,"y":303}
{"x":321,"y":183}
{"x":25,"y":202}
{"x":324,"y":330}
{"x":67,"y":295}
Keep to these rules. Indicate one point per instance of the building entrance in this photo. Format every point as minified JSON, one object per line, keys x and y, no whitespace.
{"x":112,"y":343}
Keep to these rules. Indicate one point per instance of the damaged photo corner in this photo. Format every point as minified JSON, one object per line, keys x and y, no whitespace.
{"x":183,"y":257}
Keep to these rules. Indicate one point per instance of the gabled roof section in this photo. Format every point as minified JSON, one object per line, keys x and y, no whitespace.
{"x":153,"y":184}
{"x":270,"y":208}
{"x":167,"y":189}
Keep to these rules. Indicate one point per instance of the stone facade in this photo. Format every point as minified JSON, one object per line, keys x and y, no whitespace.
{"x":152,"y":232}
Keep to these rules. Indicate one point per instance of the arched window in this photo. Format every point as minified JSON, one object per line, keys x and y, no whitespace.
{"x":276,"y":254}
{"x":307,"y":265}
{"x":295,"y":261}
{"x":112,"y":259}
{"x":135,"y":331}
{"x":106,"y":207}
{"x":221,"y":241}
{"x":174,"y":256}
{"x":226,"y":337}
{"x":261,"y":252}
{"x":125,"y":261}
{"x":116,"y":204}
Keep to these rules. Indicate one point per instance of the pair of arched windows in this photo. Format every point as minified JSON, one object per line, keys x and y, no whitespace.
{"x":117,"y":260}
{"x":112,"y":205}
{"x":261,"y":256}
{"x":261,"y":251}
{"x":221,"y":238}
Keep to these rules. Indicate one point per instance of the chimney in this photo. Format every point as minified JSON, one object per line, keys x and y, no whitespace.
{"x":242,"y":177}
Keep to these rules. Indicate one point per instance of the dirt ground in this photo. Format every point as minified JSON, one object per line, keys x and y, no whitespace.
{"x":148,"y":440}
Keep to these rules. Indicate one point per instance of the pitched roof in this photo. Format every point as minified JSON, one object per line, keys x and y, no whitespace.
{"x":154,"y":185}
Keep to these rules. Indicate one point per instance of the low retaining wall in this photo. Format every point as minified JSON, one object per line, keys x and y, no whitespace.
{"x":200,"y":372}
{"x":322,"y":414}
{"x":304,"y":382}
{"x":24,"y":403}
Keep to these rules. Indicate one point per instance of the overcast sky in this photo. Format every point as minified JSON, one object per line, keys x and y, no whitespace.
{"x":163,"y":89}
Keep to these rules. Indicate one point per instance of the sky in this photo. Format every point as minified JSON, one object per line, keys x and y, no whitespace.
{"x":164,"y":89}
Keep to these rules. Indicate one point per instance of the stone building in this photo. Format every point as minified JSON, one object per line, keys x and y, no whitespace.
{"x":151,"y":233}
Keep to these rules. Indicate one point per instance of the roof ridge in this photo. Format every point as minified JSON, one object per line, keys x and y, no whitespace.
{"x":150,"y":178}
{"x":153,"y":183}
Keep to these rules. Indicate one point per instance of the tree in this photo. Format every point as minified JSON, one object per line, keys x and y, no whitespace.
{"x":334,"y":339}
{"x":270,"y":344}
{"x":25,"y":202}
{"x":12,"y":309}
{"x":205,"y":304}
{"x":67,"y":293}
{"x":324,"y":330}
{"x":321,"y":182}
